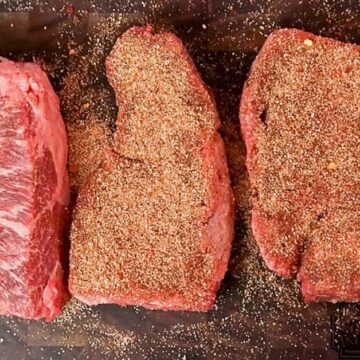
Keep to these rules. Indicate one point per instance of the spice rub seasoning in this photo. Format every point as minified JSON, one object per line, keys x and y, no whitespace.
{"x":153,"y":226}
{"x":300,"y":119}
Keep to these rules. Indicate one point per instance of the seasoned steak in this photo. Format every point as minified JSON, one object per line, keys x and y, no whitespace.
{"x":88,"y":143}
{"x":300,"y":119}
{"x":33,"y":193}
{"x":153,"y":225}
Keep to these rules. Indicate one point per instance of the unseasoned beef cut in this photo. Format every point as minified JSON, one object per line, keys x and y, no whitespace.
{"x":33,"y":193}
{"x":153,"y":225}
{"x":300,"y":119}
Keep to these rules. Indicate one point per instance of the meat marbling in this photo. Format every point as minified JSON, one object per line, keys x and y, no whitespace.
{"x":33,"y":193}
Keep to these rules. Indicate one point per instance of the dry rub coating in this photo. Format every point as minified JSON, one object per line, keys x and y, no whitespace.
{"x":153,"y":226}
{"x":300,"y":119}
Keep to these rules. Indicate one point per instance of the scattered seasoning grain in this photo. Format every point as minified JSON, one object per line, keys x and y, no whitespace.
{"x":308,"y":42}
{"x":69,"y":9}
{"x":82,"y":325}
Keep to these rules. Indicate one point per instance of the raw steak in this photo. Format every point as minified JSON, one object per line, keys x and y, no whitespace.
{"x":33,"y":193}
{"x":154,"y":225}
{"x":300,"y":119}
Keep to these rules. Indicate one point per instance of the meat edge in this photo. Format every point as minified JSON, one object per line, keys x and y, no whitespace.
{"x":29,"y":81}
{"x":249,"y":115}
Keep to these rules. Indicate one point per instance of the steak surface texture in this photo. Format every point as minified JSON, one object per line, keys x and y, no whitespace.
{"x":153,"y":226}
{"x":300,"y":119}
{"x":33,"y":193}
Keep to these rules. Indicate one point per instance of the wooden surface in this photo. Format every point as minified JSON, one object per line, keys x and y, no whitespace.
{"x":257,"y":316}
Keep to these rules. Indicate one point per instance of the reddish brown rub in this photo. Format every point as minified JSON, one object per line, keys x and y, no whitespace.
{"x":153,"y":226}
{"x":300,"y":119}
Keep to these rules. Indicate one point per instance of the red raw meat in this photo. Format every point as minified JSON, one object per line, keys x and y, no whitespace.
{"x":300,"y":119}
{"x":33,"y":193}
{"x":154,"y":225}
